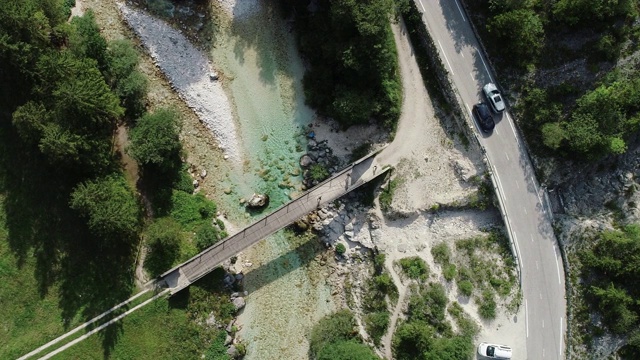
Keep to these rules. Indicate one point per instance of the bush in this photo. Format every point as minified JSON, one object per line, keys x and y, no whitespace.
{"x":206,"y":236}
{"x":339,"y":326}
{"x":487,"y":308}
{"x":414,"y":268}
{"x":441,"y":253}
{"x":376,"y":324}
{"x":465,"y":287}
{"x":378,"y":263}
{"x":449,"y":272}
{"x":346,"y":350}
{"x":318,"y":172}
{"x":386,"y":195}
{"x":191,"y":210}
{"x":341,"y":249}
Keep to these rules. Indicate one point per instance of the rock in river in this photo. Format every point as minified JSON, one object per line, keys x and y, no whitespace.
{"x":258,"y":201}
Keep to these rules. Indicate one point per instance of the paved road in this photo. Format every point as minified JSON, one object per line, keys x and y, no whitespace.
{"x":345,"y":181}
{"x":542,"y":272}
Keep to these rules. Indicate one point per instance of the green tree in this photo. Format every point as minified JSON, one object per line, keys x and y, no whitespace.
{"x":109,"y":206}
{"x":346,"y":350}
{"x":163,"y":238}
{"x":73,"y":115}
{"x":574,"y":12}
{"x":553,"y":134}
{"x":519,"y":32}
{"x":339,"y":326}
{"x":128,"y":83}
{"x":155,"y":140}
{"x":412,"y":339}
{"x":86,"y":40}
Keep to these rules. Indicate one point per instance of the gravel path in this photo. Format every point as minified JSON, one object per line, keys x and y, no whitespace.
{"x":190,"y":73}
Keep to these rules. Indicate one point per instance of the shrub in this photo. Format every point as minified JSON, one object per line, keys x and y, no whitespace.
{"x":191,"y":210}
{"x":341,"y":249}
{"x":465,"y":287}
{"x":386,"y":195}
{"x":441,"y":253}
{"x":376,"y":324}
{"x":487,"y":308}
{"x":330,"y":329}
{"x":206,"y":235}
{"x":449,"y":272}
{"x":378,"y":263}
{"x":318,"y":172}
{"x":346,"y":350}
{"x":414,"y":268}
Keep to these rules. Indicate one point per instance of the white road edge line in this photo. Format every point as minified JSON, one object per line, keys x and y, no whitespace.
{"x":526,"y":316}
{"x":513,"y":129}
{"x":532,"y":238}
{"x":446,"y":58}
{"x":485,"y":66}
{"x":497,"y":131}
{"x":459,"y":9}
{"x":515,"y":241}
{"x":517,"y":184}
{"x":507,"y":155}
{"x":84,"y":325}
{"x":70,"y":344}
{"x":423,"y":9}
{"x":525,"y":211}
{"x":555,"y":253}
{"x":534,"y":184}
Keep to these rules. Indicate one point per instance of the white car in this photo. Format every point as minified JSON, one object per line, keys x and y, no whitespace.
{"x":494,"y":351}
{"x":494,"y":97}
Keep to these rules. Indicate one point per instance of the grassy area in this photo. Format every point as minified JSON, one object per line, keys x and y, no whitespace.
{"x":166,"y":328}
{"x":380,"y":293}
{"x":484,"y":268}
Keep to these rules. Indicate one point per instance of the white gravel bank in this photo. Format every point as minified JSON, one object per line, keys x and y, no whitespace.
{"x":189,"y":71}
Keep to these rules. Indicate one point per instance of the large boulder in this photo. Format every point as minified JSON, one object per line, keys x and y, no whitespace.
{"x":306,"y":160}
{"x":258,"y":201}
{"x":238,"y":303}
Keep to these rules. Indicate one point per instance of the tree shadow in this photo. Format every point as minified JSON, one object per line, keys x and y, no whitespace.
{"x":89,"y":274}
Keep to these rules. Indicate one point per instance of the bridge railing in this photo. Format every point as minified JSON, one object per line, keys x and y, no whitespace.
{"x":250,"y":230}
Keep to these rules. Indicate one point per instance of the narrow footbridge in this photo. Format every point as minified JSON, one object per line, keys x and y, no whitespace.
{"x":350,"y":178}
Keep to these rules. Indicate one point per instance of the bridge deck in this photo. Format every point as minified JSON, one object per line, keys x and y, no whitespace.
{"x":350,"y":178}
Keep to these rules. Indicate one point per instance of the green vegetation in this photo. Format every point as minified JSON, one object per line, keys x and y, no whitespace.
{"x":168,"y":326}
{"x":610,"y":273}
{"x":335,"y":337}
{"x":155,"y":140}
{"x":380,"y":293}
{"x":207,"y":235}
{"x":427,"y":334}
{"x":441,"y":253}
{"x":485,"y":264}
{"x":68,"y":245}
{"x":353,"y":61}
{"x":341,"y":249}
{"x":318,"y":172}
{"x":570,"y":119}
{"x":386,"y":195}
{"x":415,"y":268}
{"x":110,"y":208}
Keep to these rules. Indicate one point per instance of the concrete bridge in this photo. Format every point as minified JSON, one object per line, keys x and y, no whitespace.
{"x":348,"y":179}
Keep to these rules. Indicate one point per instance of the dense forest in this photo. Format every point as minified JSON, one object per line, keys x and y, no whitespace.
{"x":570,"y":117}
{"x":64,"y":91}
{"x":353,"y":66}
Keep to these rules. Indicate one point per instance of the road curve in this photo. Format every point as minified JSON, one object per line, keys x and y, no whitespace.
{"x":543,"y":285}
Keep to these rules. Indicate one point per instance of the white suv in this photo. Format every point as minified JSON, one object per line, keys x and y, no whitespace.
{"x":494,"y":351}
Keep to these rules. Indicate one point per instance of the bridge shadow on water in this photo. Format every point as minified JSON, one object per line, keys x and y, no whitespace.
{"x":303,"y":248}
